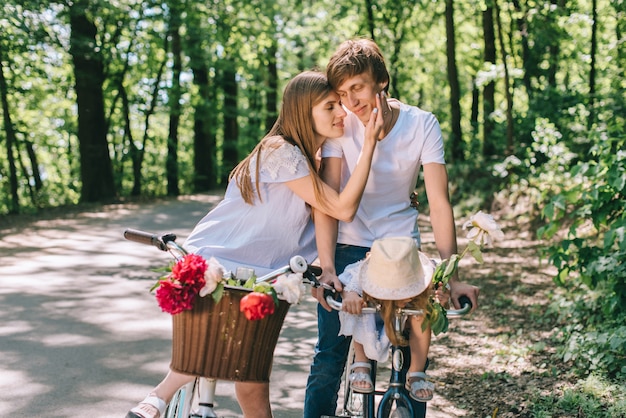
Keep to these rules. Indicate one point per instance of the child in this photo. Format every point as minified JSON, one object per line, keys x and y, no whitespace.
{"x":395,"y":274}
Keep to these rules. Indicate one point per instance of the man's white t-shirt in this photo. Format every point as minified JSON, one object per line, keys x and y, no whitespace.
{"x":385,"y":208}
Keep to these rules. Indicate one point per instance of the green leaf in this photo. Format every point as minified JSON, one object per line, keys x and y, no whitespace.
{"x":249,"y":284}
{"x":218,"y":292}
{"x":451,"y":267}
{"x":474,"y":249}
{"x":157,"y":284}
{"x":274,"y":295}
{"x":263,"y":287}
{"x":437,"y":319}
{"x":438,"y":274}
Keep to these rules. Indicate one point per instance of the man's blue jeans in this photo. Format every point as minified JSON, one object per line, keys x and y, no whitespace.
{"x":331,"y":351}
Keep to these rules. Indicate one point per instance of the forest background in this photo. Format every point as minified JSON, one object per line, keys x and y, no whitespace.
{"x":116,"y":100}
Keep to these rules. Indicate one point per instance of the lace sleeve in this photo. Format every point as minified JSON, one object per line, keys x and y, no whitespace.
{"x":284,"y":163}
{"x":350,"y":278}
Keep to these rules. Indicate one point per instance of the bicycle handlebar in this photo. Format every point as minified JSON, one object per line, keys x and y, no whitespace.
{"x":148,"y":238}
{"x":465,"y":302}
{"x":167,"y":242}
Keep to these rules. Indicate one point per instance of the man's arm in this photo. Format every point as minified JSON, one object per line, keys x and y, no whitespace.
{"x":442,"y":221}
{"x":326,"y":231}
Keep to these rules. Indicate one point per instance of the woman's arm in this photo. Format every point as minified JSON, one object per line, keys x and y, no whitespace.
{"x":326,"y":232}
{"x":343,"y":206}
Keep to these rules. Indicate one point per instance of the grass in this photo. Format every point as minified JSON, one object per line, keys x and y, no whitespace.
{"x":593,"y":397}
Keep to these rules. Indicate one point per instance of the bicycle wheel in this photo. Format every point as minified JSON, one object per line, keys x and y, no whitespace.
{"x":352,"y":402}
{"x":184,"y":402}
{"x":401,"y":412}
{"x":180,"y":405}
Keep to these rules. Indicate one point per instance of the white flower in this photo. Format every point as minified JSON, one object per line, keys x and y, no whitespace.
{"x":484,"y":229}
{"x":289,"y":287}
{"x":213,"y":275}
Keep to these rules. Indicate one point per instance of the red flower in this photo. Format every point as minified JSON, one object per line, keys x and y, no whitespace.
{"x":190,"y":271}
{"x":177,"y":292}
{"x":257,"y":305}
{"x":174,"y":298}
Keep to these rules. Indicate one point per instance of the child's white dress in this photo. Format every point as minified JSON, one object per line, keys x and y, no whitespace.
{"x":363,"y":328}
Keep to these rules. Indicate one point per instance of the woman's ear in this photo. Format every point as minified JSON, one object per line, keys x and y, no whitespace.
{"x":384,"y":86}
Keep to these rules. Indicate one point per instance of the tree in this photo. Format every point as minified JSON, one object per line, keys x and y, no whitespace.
{"x":204,"y":109}
{"x":10,"y":137}
{"x":95,"y":162}
{"x":507,"y":89}
{"x":489,"y":90}
{"x":230,"y":155}
{"x":456,"y":139}
{"x":175,"y":94}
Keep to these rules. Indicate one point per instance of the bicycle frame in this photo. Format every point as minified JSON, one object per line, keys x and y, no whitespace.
{"x":400,"y":356}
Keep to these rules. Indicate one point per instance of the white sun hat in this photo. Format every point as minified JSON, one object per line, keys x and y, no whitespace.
{"x":395,"y":269}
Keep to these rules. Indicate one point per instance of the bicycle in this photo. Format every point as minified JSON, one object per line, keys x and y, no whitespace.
{"x":197,"y":398}
{"x":396,"y":395}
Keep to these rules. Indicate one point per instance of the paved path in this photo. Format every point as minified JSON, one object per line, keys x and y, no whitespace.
{"x":80,"y":336}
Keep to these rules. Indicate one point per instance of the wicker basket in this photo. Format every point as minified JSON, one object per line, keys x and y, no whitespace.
{"x":217,"y":341}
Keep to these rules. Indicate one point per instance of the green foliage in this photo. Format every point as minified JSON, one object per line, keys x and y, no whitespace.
{"x":590,"y":258}
{"x":133,"y":39}
{"x":593,"y":397}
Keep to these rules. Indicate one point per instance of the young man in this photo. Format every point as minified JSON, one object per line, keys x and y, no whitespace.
{"x":411,"y":138}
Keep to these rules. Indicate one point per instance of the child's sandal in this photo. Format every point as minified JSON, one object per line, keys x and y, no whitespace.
{"x":416,"y":382}
{"x":151,"y":407}
{"x":361,"y":378}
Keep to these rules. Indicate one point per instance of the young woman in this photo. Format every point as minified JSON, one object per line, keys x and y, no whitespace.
{"x":265,"y":217}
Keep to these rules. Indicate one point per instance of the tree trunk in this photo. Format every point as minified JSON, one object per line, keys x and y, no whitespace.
{"x":230,"y":156}
{"x":14,"y":207}
{"x":271,"y":104}
{"x":507,"y":88}
{"x":204,"y":137}
{"x":456,"y":141}
{"x":474,"y":111}
{"x":554,"y":48}
{"x":592,"y":70}
{"x":529,"y":66}
{"x":34,"y":164}
{"x":174,"y":103}
{"x":204,"y":143}
{"x":489,"y":90}
{"x":371,"y":25}
{"x":95,"y":162}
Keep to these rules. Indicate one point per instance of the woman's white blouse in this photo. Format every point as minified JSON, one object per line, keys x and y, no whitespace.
{"x":265,"y":235}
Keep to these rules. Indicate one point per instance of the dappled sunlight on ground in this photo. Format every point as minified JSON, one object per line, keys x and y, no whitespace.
{"x":80,"y":334}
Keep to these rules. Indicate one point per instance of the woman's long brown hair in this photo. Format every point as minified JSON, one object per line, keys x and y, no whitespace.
{"x":294,"y":125}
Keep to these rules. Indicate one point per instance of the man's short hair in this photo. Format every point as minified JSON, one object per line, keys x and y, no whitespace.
{"x":354,"y":57}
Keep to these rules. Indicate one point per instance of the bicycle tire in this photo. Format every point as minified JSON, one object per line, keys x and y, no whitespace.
{"x":352,"y":402}
{"x":401,"y":412}
{"x":182,"y":401}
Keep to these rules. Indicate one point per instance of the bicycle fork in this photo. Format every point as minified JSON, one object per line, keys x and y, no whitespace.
{"x":205,"y":389}
{"x":396,"y":392}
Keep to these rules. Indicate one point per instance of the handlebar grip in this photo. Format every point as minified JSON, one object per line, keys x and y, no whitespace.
{"x":146,"y":238}
{"x":464,"y":300}
{"x":315,"y":270}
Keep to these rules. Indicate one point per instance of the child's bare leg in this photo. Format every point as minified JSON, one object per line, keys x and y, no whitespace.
{"x":359,"y":371}
{"x":419,"y":342}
